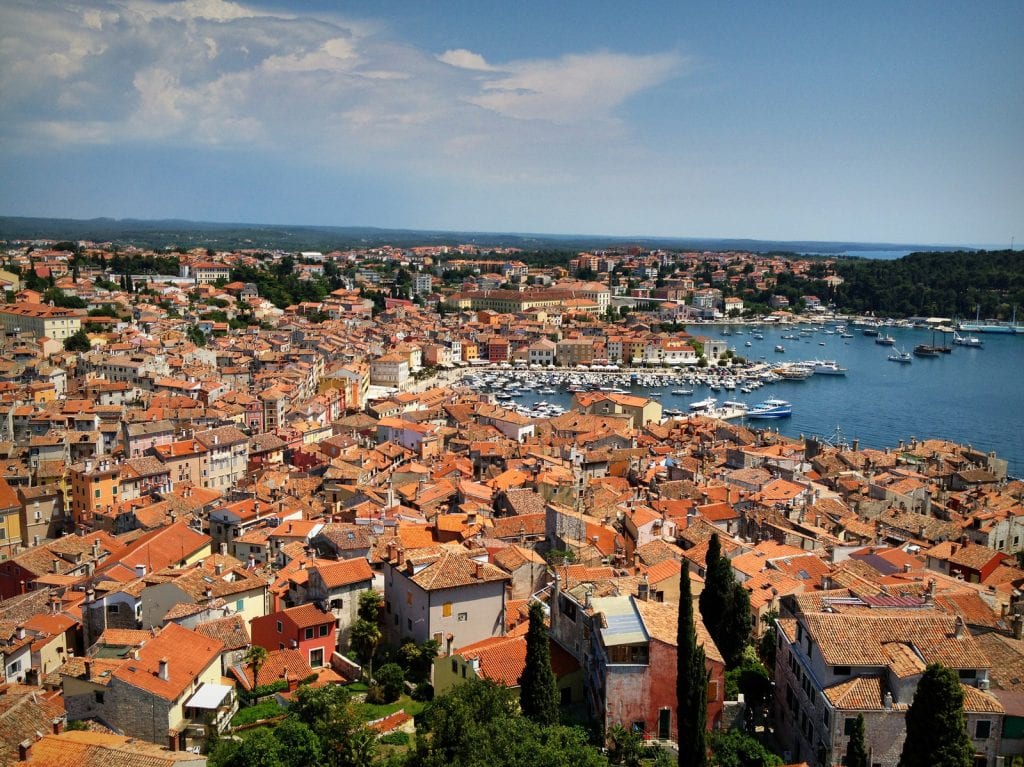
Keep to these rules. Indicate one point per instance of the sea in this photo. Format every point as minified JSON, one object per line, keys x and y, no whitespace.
{"x":973,"y":396}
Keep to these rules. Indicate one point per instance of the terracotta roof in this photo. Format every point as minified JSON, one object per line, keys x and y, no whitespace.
{"x":453,"y":570}
{"x":230,"y":631}
{"x":502,"y":659}
{"x":187,"y":654}
{"x":308,"y":615}
{"x":82,"y":748}
{"x":860,"y":640}
{"x":280,"y":664}
{"x":344,"y":573}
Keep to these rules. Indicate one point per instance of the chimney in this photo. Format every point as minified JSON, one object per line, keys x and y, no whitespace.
{"x":219,"y":568}
{"x":25,"y":750}
{"x":1017,"y":624}
{"x":888,"y":701}
{"x":90,"y":595}
{"x":88,"y":668}
{"x":57,"y":725}
{"x":478,"y":570}
{"x":19,"y":632}
{"x":400,"y":556}
{"x":208,"y":593}
{"x":856,"y":445}
{"x":643,"y":590}
{"x":163,"y":673}
{"x":55,"y":565}
{"x":140,"y":571}
{"x":223,"y":548}
{"x":958,"y":631}
{"x":906,"y":567}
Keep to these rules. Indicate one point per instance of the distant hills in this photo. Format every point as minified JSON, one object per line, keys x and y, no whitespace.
{"x":180,"y":233}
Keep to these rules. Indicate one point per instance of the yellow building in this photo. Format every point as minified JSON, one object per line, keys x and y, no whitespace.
{"x":10,"y":519}
{"x":94,"y":486}
{"x":41,"y":320}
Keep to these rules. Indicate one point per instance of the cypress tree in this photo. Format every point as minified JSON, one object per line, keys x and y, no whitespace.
{"x":691,"y":682}
{"x":715,"y":596}
{"x":935,"y":723}
{"x":735,"y":628}
{"x":538,"y":692}
{"x":857,"y":748}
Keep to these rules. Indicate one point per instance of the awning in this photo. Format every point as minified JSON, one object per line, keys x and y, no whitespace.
{"x":209,"y":696}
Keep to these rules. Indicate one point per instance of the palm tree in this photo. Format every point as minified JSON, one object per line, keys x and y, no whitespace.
{"x":256,"y":657}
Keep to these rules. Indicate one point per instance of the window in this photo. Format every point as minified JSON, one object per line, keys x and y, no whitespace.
{"x":841,"y":670}
{"x":408,"y":623}
{"x":712,"y":689}
{"x":848,"y":724}
{"x":455,"y":666}
{"x":463,"y":671}
{"x":337,"y":604}
{"x":309,"y":633}
{"x":982,"y":729}
{"x":463,"y":616}
{"x":446,"y":610}
{"x":98,"y":696}
{"x":316,"y":657}
{"x":97,"y":493}
{"x":280,"y":628}
{"x":324,"y":629}
{"x":967,"y":673}
{"x":113,"y":609}
{"x":408,"y":597}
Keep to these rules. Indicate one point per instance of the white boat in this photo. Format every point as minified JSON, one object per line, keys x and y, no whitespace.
{"x":780,"y":349}
{"x":704,"y":404}
{"x":771,"y":408}
{"x":903,"y":357}
{"x":828,"y":368}
{"x":972,"y":341}
{"x":682,"y":392}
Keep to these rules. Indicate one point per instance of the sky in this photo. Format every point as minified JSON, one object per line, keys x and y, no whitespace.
{"x":869,"y":121}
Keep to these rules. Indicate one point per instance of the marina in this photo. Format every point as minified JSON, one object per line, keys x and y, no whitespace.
{"x":856,"y":387}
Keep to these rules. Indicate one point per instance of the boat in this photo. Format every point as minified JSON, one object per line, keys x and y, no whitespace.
{"x":771,"y":408}
{"x":845,"y":334}
{"x":795,"y":372}
{"x":681,"y":392}
{"x":926,"y":350}
{"x":747,"y":343}
{"x":671,"y":411}
{"x":968,"y":340}
{"x":828,"y":368}
{"x":885,"y":340}
{"x":704,"y":404}
{"x":780,"y":349}
{"x":870,"y":331}
{"x":897,"y":355}
{"x":759,"y":336}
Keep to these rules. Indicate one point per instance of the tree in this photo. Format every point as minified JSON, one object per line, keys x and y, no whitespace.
{"x":691,"y":682}
{"x":935,"y":723}
{"x":857,"y":748}
{"x":300,"y":745}
{"x":260,"y":749}
{"x":725,"y":605}
{"x":195,"y":335}
{"x":77,"y":342}
{"x":364,"y":638}
{"x":256,"y":656}
{"x":390,"y":680}
{"x":538,"y":691}
{"x":732,"y":748}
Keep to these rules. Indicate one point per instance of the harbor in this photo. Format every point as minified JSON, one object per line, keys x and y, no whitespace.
{"x":970,"y":394}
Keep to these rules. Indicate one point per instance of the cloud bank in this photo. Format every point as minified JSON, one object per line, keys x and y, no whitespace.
{"x":218,"y":74}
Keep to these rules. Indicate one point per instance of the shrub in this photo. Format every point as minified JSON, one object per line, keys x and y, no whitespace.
{"x":395,"y":739}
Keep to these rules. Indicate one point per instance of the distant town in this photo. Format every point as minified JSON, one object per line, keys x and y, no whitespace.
{"x":266,"y":504}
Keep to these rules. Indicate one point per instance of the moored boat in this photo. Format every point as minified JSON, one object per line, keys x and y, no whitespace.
{"x":771,"y":408}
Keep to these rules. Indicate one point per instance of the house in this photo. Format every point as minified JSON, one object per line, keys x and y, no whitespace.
{"x":442,"y":595}
{"x":631,"y":680}
{"x":305,"y":628}
{"x":219,"y":579}
{"x":85,"y":748}
{"x":969,"y":561}
{"x":336,"y":587}
{"x":833,"y":666}
{"x":502,"y":660}
{"x":169,"y":690}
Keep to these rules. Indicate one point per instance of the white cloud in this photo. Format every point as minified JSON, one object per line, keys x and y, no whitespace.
{"x":574,"y":87}
{"x":322,"y":89}
{"x":463,"y":59}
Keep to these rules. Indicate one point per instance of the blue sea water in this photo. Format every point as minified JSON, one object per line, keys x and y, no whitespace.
{"x":971,"y":396}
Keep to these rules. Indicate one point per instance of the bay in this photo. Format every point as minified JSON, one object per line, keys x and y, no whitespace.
{"x":971,"y":396}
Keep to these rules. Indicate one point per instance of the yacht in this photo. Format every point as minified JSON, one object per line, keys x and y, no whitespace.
{"x":780,"y":349}
{"x":886,"y":340}
{"x":682,"y":392}
{"x":828,"y":368}
{"x":771,"y":408}
{"x":704,"y":404}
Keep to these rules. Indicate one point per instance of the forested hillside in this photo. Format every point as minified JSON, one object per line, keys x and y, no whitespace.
{"x":934,"y":284}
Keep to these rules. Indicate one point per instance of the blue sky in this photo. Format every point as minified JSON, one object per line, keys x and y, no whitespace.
{"x":897,"y":122}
